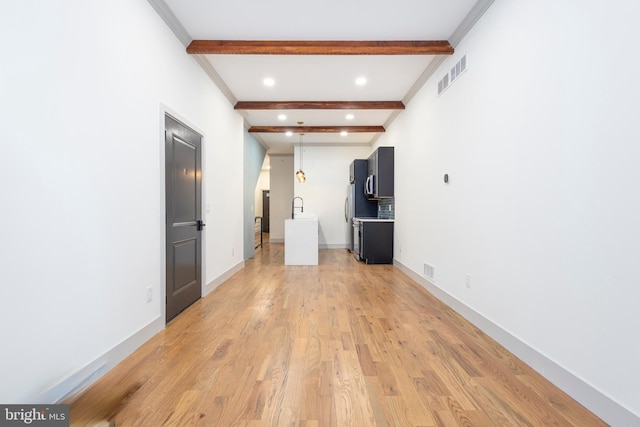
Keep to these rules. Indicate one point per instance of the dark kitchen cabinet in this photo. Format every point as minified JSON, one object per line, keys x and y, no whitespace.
{"x":376,"y":241}
{"x":380,"y":173}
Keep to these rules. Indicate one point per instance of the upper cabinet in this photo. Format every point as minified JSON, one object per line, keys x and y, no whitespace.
{"x":379,"y":183}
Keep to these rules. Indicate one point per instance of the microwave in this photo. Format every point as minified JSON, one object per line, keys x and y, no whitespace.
{"x":369,"y":186}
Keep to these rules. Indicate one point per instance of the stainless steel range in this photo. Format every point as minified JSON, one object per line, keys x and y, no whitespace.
{"x":356,"y":238}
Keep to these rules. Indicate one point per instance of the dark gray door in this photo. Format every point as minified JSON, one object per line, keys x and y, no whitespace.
{"x":184,"y":223}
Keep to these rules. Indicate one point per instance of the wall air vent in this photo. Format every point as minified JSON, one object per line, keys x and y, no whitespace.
{"x":443,"y":84}
{"x":458,"y":69}
{"x":429,"y":271}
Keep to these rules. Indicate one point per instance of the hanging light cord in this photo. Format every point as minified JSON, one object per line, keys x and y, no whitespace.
{"x":300,"y":174}
{"x":301,"y":150}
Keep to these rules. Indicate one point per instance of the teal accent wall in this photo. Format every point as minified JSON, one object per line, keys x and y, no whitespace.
{"x":254,"y":154}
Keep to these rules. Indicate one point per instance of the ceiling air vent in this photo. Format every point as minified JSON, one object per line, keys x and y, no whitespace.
{"x":450,"y":77}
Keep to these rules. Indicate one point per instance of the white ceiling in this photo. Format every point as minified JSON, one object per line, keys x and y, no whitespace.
{"x":319,"y":77}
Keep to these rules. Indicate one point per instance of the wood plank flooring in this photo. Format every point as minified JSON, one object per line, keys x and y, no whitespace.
{"x":338,"y":344}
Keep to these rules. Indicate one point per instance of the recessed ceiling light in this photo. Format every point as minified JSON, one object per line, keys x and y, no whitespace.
{"x":289,"y":133}
{"x":349,"y":116}
{"x":282,"y":117}
{"x":361,"y":81}
{"x":269,"y":82}
{"x":344,"y":133}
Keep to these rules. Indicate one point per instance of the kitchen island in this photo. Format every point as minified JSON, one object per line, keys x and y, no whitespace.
{"x":301,"y":241}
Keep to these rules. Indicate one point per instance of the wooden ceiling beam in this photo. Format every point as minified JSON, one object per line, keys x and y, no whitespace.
{"x":319,"y":105}
{"x":315,"y":129}
{"x":320,"y":47}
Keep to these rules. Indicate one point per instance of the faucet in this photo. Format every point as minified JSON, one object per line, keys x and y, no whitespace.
{"x":293,"y":206}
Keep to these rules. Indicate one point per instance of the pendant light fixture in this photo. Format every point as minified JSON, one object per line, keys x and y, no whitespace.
{"x":300,"y":174}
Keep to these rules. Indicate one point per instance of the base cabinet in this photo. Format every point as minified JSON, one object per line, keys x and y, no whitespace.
{"x":376,"y":242}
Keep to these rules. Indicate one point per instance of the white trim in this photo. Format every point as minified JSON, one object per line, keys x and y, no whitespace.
{"x":172,"y":21}
{"x":181,"y":33}
{"x":215,"y":78}
{"x":456,"y":37}
{"x":222,"y":278}
{"x":84,"y":377}
{"x":320,"y":245}
{"x":469,"y":21}
{"x":596,"y":401}
{"x":332,"y":246}
{"x":433,"y":66}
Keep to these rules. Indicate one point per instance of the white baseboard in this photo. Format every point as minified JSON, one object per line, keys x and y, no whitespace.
{"x":320,"y":245}
{"x":222,"y":278}
{"x":83,"y":378}
{"x":332,"y":246}
{"x":597,"y":402}
{"x":80,"y":380}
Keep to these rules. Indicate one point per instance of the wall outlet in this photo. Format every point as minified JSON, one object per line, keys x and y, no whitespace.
{"x":468,"y":280}
{"x":149,"y":294}
{"x":233,"y":251}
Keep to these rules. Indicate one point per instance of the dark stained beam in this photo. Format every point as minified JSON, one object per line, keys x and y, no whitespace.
{"x":320,"y":105}
{"x":321,"y":47}
{"x":315,"y":129}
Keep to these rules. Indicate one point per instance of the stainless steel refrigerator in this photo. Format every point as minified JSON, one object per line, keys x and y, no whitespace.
{"x":356,"y":204}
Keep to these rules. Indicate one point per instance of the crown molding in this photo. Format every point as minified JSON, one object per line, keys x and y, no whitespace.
{"x":172,"y":22}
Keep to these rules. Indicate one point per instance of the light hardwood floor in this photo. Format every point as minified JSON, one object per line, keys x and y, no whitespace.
{"x":340,"y":344}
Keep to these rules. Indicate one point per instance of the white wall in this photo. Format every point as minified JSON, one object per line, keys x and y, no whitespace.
{"x":327,"y":171}
{"x":281,"y":193}
{"x":82,"y":84}
{"x":324,"y":193}
{"x":539,"y":138}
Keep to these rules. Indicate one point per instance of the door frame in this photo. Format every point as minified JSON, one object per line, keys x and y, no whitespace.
{"x":166,"y":111}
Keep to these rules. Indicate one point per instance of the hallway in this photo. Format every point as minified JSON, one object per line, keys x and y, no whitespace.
{"x":337,"y":344}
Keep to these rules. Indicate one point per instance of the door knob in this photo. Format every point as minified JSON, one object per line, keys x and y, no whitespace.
{"x":200,"y":225}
